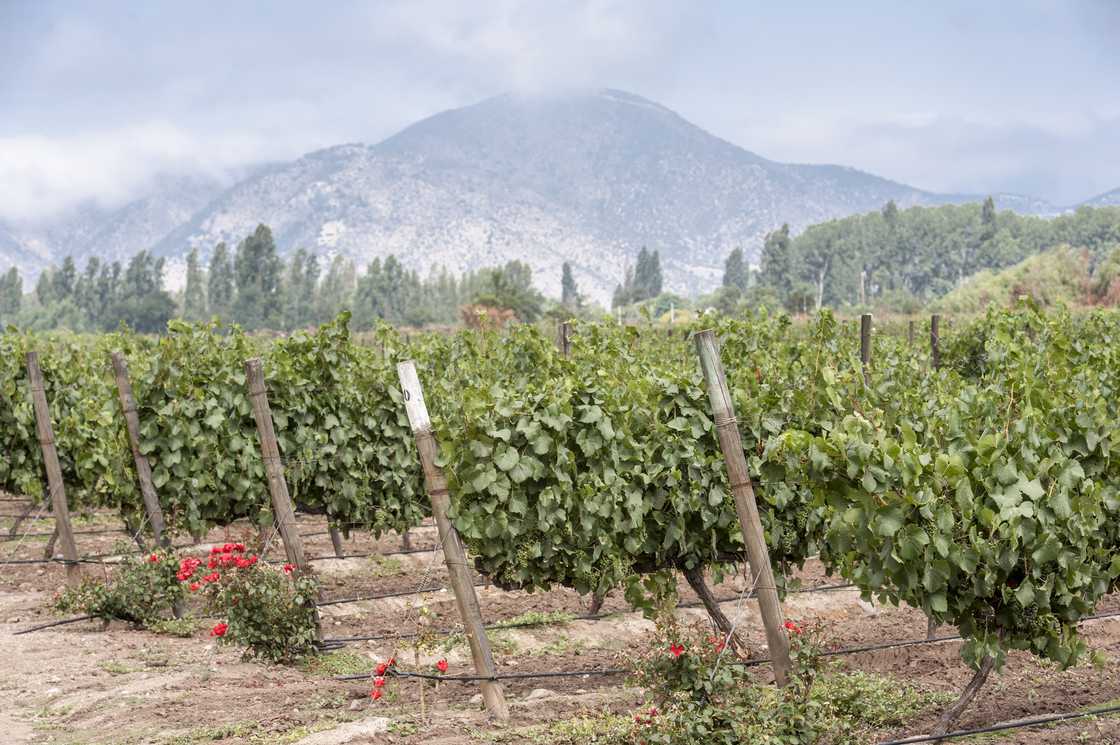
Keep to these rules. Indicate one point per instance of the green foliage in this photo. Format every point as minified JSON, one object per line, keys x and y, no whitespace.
{"x":141,"y":592}
{"x":269,"y":612}
{"x":1056,"y":277}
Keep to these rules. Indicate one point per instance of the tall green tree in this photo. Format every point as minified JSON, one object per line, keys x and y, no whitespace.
{"x":337,"y":291}
{"x":569,"y":290}
{"x":11,"y":293}
{"x":257,"y":271}
{"x":219,"y":283}
{"x":736,"y":273}
{"x":65,"y":279}
{"x":301,"y":286}
{"x":194,"y":294}
{"x":777,"y":266}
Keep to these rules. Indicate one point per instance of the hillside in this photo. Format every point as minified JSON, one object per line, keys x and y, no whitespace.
{"x":585,"y":177}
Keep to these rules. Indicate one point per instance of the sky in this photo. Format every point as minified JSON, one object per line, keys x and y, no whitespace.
{"x":99,"y":98}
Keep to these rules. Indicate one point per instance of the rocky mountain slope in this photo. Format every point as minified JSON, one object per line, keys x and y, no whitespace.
{"x":588,"y":178}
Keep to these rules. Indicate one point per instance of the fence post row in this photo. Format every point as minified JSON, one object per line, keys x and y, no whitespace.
{"x":143,"y":468}
{"x":935,"y":341}
{"x":455,"y":555}
{"x":746,"y":507}
{"x":865,"y":346}
{"x":274,"y":469}
{"x":564,"y":338}
{"x":59,"y":505}
{"x":910,"y":333}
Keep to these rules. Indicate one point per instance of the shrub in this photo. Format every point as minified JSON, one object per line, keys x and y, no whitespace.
{"x":142,"y":591}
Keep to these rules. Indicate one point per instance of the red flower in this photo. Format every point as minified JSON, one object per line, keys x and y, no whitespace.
{"x":194,"y":586}
{"x":676,"y":650}
{"x":212,"y":564}
{"x":212,"y":577}
{"x":289,"y":568}
{"x":442,"y":666}
{"x":219,"y":629}
{"x":227,"y":549}
{"x":382,"y":668}
{"x":791,"y":626}
{"x":153,"y":558}
{"x":239,"y":547}
{"x":378,"y":682}
{"x":376,"y":694}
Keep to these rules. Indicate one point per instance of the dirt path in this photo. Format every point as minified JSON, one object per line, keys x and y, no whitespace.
{"x":82,"y":684}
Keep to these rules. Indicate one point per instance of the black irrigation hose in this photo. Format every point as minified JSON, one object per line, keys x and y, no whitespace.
{"x":51,"y":561}
{"x":75,"y":532}
{"x":499,"y":625}
{"x":1002,"y":726}
{"x":52,"y":624}
{"x":394,"y":594}
{"x":500,"y":676}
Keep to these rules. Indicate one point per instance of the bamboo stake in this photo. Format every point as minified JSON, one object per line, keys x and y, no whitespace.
{"x":336,"y":540}
{"x":59,"y":505}
{"x":563,"y":338}
{"x":143,"y":468}
{"x":935,"y":341}
{"x":865,"y":346}
{"x":274,"y":469}
{"x":455,"y":554}
{"x":745,"y":505}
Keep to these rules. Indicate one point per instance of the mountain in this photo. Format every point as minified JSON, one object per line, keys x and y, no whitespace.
{"x":1108,"y":199}
{"x":587,"y":177}
{"x":109,"y":234}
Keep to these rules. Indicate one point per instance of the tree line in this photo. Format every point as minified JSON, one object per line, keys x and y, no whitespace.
{"x":906,"y":258}
{"x":254,"y":287}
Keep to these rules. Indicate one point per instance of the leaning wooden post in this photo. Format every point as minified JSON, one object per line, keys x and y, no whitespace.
{"x":143,"y":468}
{"x":934,"y":341}
{"x":731,"y":443}
{"x":336,"y":541}
{"x":564,"y":338}
{"x":865,"y":346}
{"x":59,"y":505}
{"x":274,"y":469}
{"x":910,"y":333}
{"x":454,"y":553}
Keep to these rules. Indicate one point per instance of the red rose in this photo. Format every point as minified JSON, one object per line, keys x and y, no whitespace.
{"x":153,"y":558}
{"x":194,"y":586}
{"x":676,"y":650}
{"x":219,"y":629}
{"x":376,"y":694}
{"x":378,"y":682}
{"x":289,"y":568}
{"x":791,"y":626}
{"x":212,"y":577}
{"x":227,"y":549}
{"x":382,"y":668}
{"x":239,"y":547}
{"x":442,"y":666}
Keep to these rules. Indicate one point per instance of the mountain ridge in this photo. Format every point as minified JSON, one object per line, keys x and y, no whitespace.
{"x":587,"y":177}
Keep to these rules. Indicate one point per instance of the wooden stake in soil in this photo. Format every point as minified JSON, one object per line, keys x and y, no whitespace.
{"x":732,"y":445}
{"x":865,"y":346}
{"x":935,"y":341}
{"x":455,"y":555}
{"x":336,"y":541}
{"x":564,"y":338}
{"x":54,"y":470}
{"x":274,"y":469}
{"x":910,"y":333}
{"x":143,"y":468}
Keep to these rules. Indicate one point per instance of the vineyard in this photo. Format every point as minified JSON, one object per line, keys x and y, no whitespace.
{"x":932,"y":507}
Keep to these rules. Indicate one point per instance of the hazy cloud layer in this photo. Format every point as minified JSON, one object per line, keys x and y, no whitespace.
{"x":99,"y":97}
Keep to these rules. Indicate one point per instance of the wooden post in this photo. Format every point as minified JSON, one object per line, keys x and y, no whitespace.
{"x":910,"y":333}
{"x":564,"y":338}
{"x":934,"y":341}
{"x":270,"y":454}
{"x":143,"y":468}
{"x":336,"y":541}
{"x":865,"y":346}
{"x":455,"y":555}
{"x":59,"y":505}
{"x":731,"y":443}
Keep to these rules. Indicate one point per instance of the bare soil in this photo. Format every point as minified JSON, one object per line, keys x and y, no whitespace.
{"x":83,"y":683}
